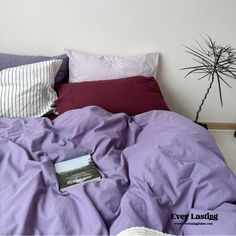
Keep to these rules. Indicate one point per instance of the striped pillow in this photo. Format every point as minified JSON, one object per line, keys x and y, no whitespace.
{"x":27,"y":91}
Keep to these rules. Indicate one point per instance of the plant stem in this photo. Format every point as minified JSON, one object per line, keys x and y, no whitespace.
{"x":205,"y":97}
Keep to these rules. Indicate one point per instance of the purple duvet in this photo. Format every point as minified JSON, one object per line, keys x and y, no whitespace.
{"x":159,"y":170}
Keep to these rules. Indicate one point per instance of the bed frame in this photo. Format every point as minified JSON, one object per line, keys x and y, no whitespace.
{"x":221,"y":125}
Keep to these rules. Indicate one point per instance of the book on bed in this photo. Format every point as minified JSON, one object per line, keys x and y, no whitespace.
{"x":76,"y":171}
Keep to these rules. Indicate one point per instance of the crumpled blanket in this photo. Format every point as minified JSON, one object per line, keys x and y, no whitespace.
{"x":158,"y":170}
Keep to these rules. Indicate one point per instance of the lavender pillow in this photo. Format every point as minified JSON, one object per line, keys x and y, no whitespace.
{"x":92,"y":67}
{"x":10,"y":60}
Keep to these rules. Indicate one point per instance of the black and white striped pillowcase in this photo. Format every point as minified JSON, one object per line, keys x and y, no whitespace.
{"x":27,"y":91}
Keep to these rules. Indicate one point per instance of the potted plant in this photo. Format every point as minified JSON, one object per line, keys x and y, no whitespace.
{"x":215,"y":62}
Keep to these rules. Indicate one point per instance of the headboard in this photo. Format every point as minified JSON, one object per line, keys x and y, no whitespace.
{"x":125,"y":27}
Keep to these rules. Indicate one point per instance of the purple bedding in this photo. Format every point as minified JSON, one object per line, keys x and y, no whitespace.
{"x":159,"y":170}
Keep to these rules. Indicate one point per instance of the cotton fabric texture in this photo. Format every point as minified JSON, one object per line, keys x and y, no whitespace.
{"x":133,"y":95}
{"x":87,"y":67}
{"x":152,"y":165}
{"x":27,"y":91}
{"x":11,"y":60}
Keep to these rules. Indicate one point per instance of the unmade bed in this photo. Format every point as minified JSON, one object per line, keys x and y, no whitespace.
{"x":159,"y":170}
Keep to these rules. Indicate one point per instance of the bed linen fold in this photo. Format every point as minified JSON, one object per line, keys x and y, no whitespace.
{"x":155,"y":166}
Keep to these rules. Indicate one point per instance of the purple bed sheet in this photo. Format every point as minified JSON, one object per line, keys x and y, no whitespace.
{"x":160,"y":170}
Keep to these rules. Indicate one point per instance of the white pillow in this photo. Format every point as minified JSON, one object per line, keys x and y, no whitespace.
{"x":27,"y":91}
{"x":88,"y":67}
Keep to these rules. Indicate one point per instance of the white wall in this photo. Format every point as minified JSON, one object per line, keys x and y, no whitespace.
{"x":128,"y":27}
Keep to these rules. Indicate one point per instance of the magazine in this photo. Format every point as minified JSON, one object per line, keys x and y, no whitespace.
{"x":76,"y":171}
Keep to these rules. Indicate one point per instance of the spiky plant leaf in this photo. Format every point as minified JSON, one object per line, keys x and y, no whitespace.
{"x":214,"y":61}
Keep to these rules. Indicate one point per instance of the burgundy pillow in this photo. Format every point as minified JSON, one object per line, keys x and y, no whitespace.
{"x":131,"y":95}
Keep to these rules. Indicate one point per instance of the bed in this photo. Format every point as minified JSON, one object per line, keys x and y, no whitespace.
{"x":160,"y":171}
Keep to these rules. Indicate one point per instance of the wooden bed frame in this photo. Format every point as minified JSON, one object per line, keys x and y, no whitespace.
{"x":221,"y":125}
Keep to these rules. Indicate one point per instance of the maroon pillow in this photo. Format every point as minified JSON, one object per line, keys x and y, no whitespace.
{"x":132,"y":95}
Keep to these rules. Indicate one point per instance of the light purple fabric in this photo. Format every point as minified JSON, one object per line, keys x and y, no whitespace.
{"x":92,"y":67}
{"x":154,"y":164}
{"x":11,"y":60}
